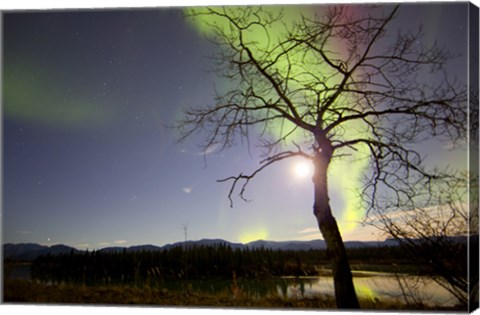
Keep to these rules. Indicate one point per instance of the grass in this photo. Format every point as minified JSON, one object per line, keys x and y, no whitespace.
{"x":25,"y":292}
{"x":20,"y":291}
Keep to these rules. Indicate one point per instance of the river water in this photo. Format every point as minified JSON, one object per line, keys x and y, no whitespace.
{"x":376,"y":286}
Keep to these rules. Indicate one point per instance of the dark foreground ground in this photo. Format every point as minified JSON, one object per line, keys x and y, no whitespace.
{"x":27,"y":292}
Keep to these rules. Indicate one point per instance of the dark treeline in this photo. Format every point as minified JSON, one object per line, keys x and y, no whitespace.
{"x":179,"y":263}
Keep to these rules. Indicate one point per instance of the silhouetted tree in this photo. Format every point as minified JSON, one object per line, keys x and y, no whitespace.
{"x":440,"y":235}
{"x":326,"y":88}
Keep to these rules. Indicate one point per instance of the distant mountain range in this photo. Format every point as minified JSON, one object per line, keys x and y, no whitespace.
{"x":30,"y":251}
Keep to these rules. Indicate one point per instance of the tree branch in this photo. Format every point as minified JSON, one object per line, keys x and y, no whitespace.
{"x":264,"y":164}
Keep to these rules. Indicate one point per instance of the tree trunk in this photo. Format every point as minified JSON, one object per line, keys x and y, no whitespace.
{"x":344,"y":290}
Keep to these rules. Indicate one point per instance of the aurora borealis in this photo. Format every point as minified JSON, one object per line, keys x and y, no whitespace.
{"x":89,"y":156}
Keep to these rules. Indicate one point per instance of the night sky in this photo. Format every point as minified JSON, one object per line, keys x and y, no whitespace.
{"x":89,"y":156}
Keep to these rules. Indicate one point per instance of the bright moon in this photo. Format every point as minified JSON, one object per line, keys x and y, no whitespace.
{"x":303,"y":169}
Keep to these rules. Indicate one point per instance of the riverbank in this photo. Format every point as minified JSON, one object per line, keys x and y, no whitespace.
{"x":27,"y":292}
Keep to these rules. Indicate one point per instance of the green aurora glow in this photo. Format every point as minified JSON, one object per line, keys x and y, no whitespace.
{"x":345,"y":173}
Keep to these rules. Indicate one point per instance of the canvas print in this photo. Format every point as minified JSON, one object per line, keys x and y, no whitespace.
{"x":291,"y":157}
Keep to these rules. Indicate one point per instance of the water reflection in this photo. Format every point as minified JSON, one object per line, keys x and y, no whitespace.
{"x":375,"y":287}
{"x":371,"y":286}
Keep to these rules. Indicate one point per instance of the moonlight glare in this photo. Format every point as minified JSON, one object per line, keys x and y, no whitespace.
{"x":302,"y":169}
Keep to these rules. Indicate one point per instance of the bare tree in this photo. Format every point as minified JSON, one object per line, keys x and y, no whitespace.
{"x":339,"y":84}
{"x":437,"y":234}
